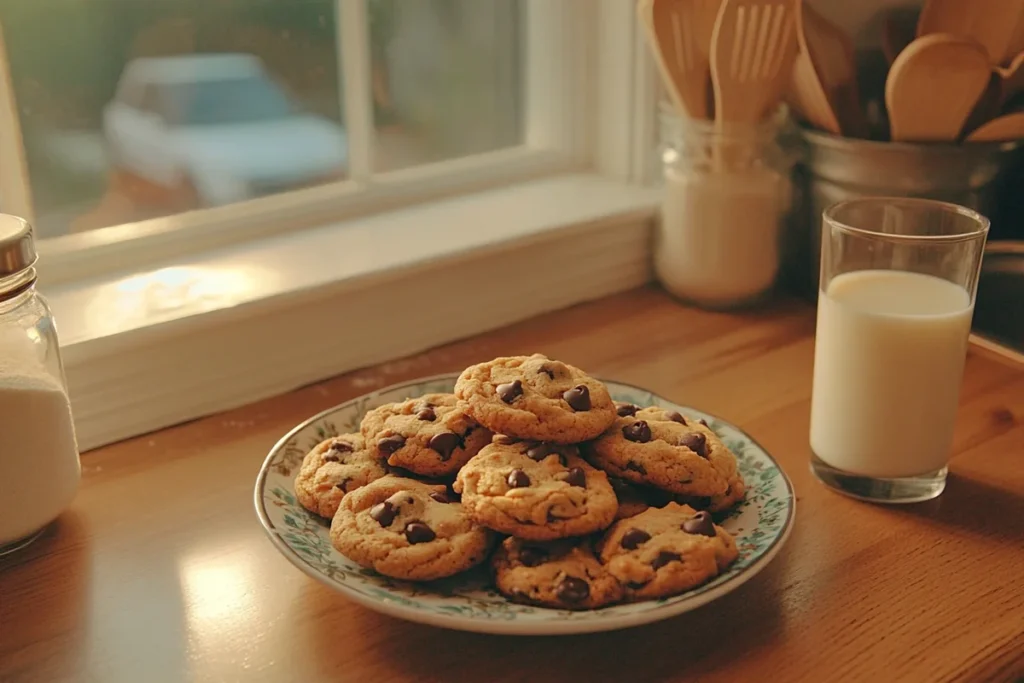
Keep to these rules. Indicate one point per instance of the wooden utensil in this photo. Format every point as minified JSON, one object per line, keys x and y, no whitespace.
{"x":933,"y":86}
{"x":992,"y":23}
{"x":1009,"y":127}
{"x":824,"y":87}
{"x":899,"y":28}
{"x":679,"y":32}
{"x":752,"y":51}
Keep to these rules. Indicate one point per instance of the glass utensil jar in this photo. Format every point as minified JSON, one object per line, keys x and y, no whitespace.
{"x":726,"y":196}
{"x":898,"y":281}
{"x":39,"y":465}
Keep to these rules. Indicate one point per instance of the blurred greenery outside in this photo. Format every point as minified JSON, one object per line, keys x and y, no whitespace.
{"x":66,"y":57}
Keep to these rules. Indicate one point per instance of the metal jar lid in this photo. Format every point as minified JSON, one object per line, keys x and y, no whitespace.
{"x":17,"y":248}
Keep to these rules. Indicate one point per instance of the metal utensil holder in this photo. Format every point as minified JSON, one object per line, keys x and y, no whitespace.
{"x":987,"y":177}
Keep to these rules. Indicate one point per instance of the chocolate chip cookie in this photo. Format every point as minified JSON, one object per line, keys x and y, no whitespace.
{"x":664,"y":449}
{"x":332,"y":469}
{"x":666,"y":551}
{"x":408,"y":529}
{"x":536,"y":491}
{"x":535,"y":398}
{"x":432,"y":435}
{"x":559,"y":574}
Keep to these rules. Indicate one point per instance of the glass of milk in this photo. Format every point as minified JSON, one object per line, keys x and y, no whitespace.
{"x":898,"y":280}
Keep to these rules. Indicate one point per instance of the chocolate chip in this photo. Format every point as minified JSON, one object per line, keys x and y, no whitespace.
{"x":418,"y":532}
{"x":639,"y":432}
{"x":621,"y":487}
{"x":625,"y":409}
{"x":445,"y":443}
{"x":427,"y":415}
{"x":701,"y":524}
{"x":509,"y":392}
{"x":636,"y":467}
{"x":332,"y":457}
{"x":663,"y":558}
{"x":517,"y":479}
{"x":553,"y":369}
{"x":578,"y":398}
{"x":540,"y":451}
{"x":696,"y":442}
{"x":703,"y":422}
{"x":440,"y":497}
{"x":342,"y":447}
{"x":572,"y":590}
{"x":677,"y":417}
{"x":634,"y":538}
{"x":576,"y":477}
{"x":390,"y":444}
{"x":532,"y":557}
{"x":384,"y":513}
{"x":543,"y":450}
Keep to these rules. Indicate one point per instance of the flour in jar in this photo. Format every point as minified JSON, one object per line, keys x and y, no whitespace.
{"x":39,"y":465}
{"x":717,"y":242}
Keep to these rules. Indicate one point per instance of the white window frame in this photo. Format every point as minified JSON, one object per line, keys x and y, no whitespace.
{"x":572,"y":207}
{"x":554,"y":143}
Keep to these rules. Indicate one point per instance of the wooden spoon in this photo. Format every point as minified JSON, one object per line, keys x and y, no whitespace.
{"x":992,"y":23}
{"x":679,"y":32}
{"x":752,"y":53}
{"x":933,"y":86}
{"x":1009,"y":127}
{"x":824,"y":87}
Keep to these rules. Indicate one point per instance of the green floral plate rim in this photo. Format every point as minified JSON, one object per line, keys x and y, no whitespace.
{"x":761,"y":525}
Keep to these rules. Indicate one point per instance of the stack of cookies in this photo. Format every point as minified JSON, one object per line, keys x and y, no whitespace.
{"x":595,"y":502}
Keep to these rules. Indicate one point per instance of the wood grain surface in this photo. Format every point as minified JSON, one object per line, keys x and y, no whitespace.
{"x":160,"y":571}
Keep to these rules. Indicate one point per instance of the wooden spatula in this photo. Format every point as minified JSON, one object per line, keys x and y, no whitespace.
{"x":1009,"y":127}
{"x":824,"y":87}
{"x":933,"y":86}
{"x":752,"y":52}
{"x":680,"y":35}
{"x":992,"y":23}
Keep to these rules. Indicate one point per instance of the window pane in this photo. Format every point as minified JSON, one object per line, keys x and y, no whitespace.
{"x":133,"y":109}
{"x":446,"y":78}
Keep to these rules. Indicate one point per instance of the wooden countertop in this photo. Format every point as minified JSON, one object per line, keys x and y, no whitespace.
{"x":161,"y":572}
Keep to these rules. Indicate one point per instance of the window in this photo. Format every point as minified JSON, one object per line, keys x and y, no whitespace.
{"x":212,"y":177}
{"x":136,"y":110}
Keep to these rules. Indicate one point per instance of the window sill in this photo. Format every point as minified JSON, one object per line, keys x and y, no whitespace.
{"x":208,"y":333}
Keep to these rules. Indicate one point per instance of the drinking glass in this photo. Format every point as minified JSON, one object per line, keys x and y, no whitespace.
{"x":895,"y":301}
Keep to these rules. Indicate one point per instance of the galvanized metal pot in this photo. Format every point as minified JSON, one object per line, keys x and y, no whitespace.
{"x":833,"y":169}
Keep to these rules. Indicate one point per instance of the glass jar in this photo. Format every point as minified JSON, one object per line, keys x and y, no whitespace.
{"x":726,"y":199}
{"x":39,"y":465}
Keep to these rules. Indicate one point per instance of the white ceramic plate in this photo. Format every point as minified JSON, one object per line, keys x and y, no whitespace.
{"x":467,"y":602}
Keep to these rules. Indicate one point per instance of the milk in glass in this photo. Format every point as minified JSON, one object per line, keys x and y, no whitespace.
{"x":888,"y":364}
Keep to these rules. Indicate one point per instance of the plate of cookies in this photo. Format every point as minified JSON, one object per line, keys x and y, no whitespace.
{"x":524,"y":496}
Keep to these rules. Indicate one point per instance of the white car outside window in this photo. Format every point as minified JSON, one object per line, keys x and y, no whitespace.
{"x":220,"y":126}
